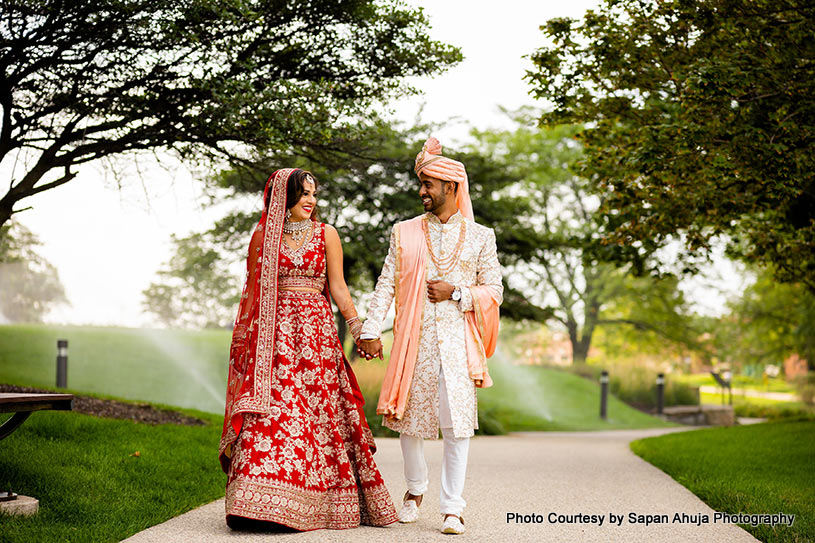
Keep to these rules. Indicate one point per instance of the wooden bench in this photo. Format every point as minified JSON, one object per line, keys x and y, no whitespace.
{"x":23,"y":404}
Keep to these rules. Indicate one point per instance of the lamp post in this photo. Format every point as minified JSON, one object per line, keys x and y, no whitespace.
{"x":62,"y":363}
{"x":603,"y":394}
{"x":660,"y":392}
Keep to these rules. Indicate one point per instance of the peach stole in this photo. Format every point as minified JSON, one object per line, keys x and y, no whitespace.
{"x":481,"y":325}
{"x":410,"y":292}
{"x":481,"y":332}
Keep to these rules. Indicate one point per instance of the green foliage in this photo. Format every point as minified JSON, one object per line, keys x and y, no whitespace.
{"x":547,"y":217}
{"x":699,"y":120}
{"x":768,"y":323}
{"x":772,"y":411}
{"x":760,"y":468}
{"x":637,"y":386}
{"x":85,"y":80}
{"x":195,"y":289}
{"x":363,"y":193}
{"x":29,"y":284}
{"x":90,"y":485}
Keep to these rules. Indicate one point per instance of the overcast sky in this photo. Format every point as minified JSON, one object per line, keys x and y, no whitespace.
{"x":108,"y":241}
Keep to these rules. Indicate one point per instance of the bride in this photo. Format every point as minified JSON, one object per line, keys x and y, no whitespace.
{"x":295,"y":445}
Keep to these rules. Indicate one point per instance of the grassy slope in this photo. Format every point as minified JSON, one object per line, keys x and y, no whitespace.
{"x":82,"y":467}
{"x":527,"y":398}
{"x":536,"y":398}
{"x":187,"y":369}
{"x":175,"y":367}
{"x":762,"y":468}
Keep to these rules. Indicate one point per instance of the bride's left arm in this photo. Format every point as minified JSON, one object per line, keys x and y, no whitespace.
{"x":336,"y":279}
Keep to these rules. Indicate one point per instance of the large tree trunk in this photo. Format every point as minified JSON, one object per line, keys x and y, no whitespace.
{"x":581,"y":339}
{"x":5,"y":212}
{"x":578,"y":353}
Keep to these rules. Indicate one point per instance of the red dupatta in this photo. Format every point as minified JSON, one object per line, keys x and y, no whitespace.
{"x":248,"y":388}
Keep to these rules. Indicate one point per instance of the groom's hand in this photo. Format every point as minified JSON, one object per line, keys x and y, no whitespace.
{"x":438,"y":291}
{"x":370,"y":348}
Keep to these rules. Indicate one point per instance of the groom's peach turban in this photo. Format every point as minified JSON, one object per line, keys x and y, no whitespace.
{"x":433,"y":164}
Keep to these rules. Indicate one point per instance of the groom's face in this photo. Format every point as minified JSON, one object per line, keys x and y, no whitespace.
{"x":432,"y":193}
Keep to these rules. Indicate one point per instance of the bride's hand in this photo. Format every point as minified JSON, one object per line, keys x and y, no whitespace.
{"x":370,"y":348}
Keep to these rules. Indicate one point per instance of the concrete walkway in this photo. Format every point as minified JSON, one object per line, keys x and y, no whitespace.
{"x":564,"y":473}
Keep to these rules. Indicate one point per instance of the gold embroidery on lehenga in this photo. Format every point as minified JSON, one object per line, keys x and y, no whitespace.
{"x":306,"y":461}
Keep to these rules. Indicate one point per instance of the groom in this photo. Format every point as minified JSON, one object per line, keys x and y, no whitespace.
{"x":443,"y":272}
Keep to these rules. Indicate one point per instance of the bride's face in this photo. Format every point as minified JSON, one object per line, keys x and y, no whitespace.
{"x":303,"y":208}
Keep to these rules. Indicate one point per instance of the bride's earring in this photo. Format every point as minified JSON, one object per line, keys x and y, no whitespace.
{"x":288,"y":214}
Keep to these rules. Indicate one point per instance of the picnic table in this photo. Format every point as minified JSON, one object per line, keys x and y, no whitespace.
{"x":22,"y":404}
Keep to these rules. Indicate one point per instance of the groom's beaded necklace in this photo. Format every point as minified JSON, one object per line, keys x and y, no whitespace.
{"x":446,"y":264}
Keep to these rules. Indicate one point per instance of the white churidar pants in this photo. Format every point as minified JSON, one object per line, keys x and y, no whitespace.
{"x":454,"y":461}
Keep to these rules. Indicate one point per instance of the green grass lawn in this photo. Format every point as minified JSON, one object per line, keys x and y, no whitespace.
{"x":760,"y":468}
{"x":526,"y":398}
{"x":188,"y":369}
{"x":776,"y":384}
{"x":738,"y":399}
{"x":538,"y":398}
{"x":174,"y":367}
{"x":748,"y":406}
{"x":92,"y":487}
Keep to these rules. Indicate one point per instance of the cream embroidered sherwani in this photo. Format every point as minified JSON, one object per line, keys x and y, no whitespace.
{"x":442,"y":342}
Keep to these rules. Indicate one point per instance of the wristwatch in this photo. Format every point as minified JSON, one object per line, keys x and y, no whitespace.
{"x":456,"y":296}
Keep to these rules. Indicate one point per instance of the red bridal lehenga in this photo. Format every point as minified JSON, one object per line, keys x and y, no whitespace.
{"x":297,"y":451}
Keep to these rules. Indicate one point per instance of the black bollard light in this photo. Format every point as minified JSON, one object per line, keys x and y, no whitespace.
{"x":603,"y":394}
{"x":660,"y":392}
{"x":62,"y":363}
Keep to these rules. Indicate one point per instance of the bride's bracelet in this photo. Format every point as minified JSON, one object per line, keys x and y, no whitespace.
{"x":355,"y":327}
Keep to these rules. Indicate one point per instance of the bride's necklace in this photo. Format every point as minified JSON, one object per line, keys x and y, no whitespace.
{"x":297,"y":230}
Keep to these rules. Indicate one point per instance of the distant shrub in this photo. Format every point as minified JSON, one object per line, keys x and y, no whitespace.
{"x":637,"y":386}
{"x":806,"y":388}
{"x":773,"y":412}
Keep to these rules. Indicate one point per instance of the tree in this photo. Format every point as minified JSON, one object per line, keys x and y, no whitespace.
{"x":362,"y":193}
{"x":84,"y":80}
{"x":195,"y":288}
{"x":521,"y":185}
{"x":769,"y":322}
{"x":556,"y":259}
{"x":699,"y":122}
{"x":29,"y":284}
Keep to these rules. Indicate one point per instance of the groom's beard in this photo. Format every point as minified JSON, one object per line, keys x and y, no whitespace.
{"x":435,"y":203}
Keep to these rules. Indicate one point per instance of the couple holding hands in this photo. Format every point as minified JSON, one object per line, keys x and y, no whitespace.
{"x":295,"y":445}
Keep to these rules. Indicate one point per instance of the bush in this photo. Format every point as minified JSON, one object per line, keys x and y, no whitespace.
{"x":773,"y":412}
{"x":806,"y":388}
{"x":636,"y":385}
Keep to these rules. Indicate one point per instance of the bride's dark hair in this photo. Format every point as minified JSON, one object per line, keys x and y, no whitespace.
{"x":294,"y":189}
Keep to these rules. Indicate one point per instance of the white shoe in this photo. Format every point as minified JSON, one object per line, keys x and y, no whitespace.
{"x":452,"y":525}
{"x":409,"y":512}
